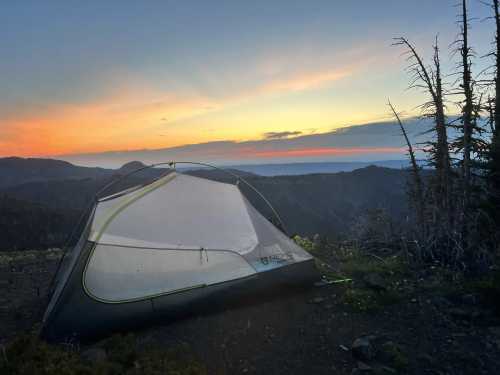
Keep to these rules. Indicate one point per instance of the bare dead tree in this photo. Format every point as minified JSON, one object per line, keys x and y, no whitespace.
{"x":494,"y":149}
{"x":453,"y":209}
{"x":491,"y":115}
{"x":467,"y":108}
{"x":430,"y":80}
{"x":497,"y":65}
{"x":417,"y":180}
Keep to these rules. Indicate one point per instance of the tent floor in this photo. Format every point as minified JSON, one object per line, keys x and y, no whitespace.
{"x":83,"y":318}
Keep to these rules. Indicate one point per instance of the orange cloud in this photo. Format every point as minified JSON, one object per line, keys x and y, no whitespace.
{"x":134,"y":115}
{"x":124,"y":121}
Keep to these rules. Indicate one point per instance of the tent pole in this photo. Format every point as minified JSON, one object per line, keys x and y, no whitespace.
{"x":172,"y":165}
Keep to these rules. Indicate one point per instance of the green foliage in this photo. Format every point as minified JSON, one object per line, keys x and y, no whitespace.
{"x":26,"y":225}
{"x":27,"y":355}
{"x":366,"y":300}
{"x":391,"y":268}
{"x":305,"y":243}
{"x":361,"y":300}
{"x":357,"y":263}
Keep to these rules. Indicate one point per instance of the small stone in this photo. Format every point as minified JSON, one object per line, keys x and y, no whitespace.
{"x":363,"y":349}
{"x":363,"y":366}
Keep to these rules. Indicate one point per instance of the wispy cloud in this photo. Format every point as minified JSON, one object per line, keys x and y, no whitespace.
{"x":304,"y":81}
{"x":280,"y":135}
{"x":379,"y":141}
{"x":132,"y":113}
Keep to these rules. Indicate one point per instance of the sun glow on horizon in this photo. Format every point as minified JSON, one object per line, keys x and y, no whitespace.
{"x":134,"y":118}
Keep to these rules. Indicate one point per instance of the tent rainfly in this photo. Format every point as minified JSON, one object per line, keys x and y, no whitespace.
{"x":164,"y":249}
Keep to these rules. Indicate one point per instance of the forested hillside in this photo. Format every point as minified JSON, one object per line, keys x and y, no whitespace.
{"x":26,"y":225}
{"x":327,"y":204}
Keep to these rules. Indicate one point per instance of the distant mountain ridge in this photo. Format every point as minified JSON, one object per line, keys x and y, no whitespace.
{"x":50,"y":191}
{"x":15,"y":171}
{"x":282,"y":169}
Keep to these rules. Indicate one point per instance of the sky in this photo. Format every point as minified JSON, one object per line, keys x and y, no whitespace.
{"x":92,"y":77}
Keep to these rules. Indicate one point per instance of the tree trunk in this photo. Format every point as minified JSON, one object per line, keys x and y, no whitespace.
{"x":467,"y":109}
{"x":417,"y":180}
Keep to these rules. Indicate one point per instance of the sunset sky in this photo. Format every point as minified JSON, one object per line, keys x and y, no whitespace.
{"x":94,"y":76}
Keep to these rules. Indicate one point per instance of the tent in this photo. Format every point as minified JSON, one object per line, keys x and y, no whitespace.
{"x":164,"y":249}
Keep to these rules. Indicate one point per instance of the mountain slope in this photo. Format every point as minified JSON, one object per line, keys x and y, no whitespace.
{"x":15,"y":171}
{"x":26,"y":225}
{"x":328,"y":204}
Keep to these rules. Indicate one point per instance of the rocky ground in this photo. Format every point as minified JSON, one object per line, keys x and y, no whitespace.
{"x":387,"y":320}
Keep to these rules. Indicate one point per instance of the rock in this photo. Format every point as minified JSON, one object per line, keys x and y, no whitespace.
{"x":94,"y":355}
{"x":363,"y":366}
{"x":363,"y":349}
{"x":375,"y":281}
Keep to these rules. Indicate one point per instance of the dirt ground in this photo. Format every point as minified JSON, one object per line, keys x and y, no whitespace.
{"x":306,"y":332}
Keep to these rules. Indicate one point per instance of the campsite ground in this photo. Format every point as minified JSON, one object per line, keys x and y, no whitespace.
{"x":403,"y":321}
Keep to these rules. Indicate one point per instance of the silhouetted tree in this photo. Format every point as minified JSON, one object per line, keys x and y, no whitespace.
{"x":417,"y":189}
{"x":439,"y":207}
{"x":493,"y":157}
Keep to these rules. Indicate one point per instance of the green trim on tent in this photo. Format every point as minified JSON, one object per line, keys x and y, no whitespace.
{"x":155,"y":185}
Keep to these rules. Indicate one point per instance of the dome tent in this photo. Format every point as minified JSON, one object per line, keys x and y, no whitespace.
{"x":165,"y":248}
